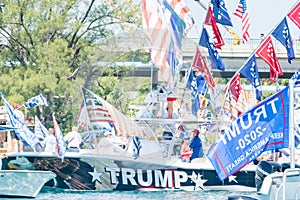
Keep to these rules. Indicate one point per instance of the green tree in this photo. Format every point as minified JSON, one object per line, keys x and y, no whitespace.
{"x":43,"y":42}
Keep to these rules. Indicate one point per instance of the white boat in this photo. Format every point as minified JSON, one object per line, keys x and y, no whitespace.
{"x":149,"y":162}
{"x":23,"y":183}
{"x":281,"y":185}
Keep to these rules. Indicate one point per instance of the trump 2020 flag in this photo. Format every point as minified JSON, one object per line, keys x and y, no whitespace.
{"x":264,"y":127}
{"x":283,"y":35}
{"x":193,"y":85}
{"x":216,"y":60}
{"x":296,"y":78}
{"x":220,"y":12}
{"x":38,"y":100}
{"x":22,"y":131}
{"x":250,"y":71}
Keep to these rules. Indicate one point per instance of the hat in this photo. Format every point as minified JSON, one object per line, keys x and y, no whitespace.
{"x":107,"y":133}
{"x":180,"y":127}
{"x":196,"y":131}
{"x":15,"y":106}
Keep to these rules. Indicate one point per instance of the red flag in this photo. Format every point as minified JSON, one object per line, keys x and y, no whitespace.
{"x":208,"y":17}
{"x":241,"y":104}
{"x":200,"y":64}
{"x":235,"y":87}
{"x":211,"y":20}
{"x":294,"y":14}
{"x":267,"y":53}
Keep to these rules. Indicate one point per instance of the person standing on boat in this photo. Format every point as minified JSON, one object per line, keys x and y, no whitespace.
{"x":73,"y":139}
{"x":196,"y":145}
{"x":110,"y":143}
{"x":182,"y":132}
{"x":2,"y":155}
{"x":50,"y":142}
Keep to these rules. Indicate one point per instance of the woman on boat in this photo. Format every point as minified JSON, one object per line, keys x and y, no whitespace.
{"x":185,"y":150}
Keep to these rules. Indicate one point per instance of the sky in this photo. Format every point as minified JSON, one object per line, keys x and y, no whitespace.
{"x":264,"y":16}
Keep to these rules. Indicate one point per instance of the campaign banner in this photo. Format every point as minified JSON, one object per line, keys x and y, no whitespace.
{"x":264,"y":127}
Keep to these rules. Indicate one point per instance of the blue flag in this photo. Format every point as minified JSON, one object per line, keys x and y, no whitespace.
{"x":283,"y":35}
{"x":201,"y":85}
{"x":198,"y":86}
{"x":216,"y":60}
{"x":192,"y":84}
{"x":172,"y":59}
{"x":296,"y":78}
{"x":190,"y":80}
{"x":220,"y":12}
{"x":136,"y":147}
{"x":38,"y":100}
{"x":22,"y":131}
{"x":264,"y":127}
{"x":250,"y":71}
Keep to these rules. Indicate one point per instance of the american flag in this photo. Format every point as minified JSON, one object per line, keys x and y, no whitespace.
{"x":165,"y":23}
{"x":103,"y":112}
{"x":242,"y":13}
{"x":180,"y":7}
{"x":83,"y":118}
{"x":61,"y":144}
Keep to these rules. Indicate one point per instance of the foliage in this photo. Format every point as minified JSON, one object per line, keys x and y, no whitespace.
{"x":43,"y":42}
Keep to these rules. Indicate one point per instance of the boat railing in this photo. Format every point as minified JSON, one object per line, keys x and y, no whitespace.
{"x":286,"y":173}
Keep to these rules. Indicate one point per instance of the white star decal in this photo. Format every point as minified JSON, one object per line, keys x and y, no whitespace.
{"x":197,"y":180}
{"x":96,"y":175}
{"x":193,"y":176}
{"x":232,"y":178}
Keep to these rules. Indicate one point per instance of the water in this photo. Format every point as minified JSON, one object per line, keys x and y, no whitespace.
{"x":141,"y":195}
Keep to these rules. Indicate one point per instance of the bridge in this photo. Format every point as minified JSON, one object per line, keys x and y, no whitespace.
{"x":233,"y":55}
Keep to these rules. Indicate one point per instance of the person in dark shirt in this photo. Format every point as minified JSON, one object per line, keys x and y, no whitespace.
{"x":196,"y":145}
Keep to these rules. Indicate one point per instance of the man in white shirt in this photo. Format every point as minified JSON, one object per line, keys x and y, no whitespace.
{"x":73,"y":139}
{"x":50,"y":142}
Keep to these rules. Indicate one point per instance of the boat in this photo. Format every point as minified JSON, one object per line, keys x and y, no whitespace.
{"x":23,"y":183}
{"x":148,"y":162}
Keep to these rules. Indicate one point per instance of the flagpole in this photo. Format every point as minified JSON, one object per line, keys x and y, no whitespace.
{"x":291,"y":123}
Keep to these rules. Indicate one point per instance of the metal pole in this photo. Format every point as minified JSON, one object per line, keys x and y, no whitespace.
{"x":291,"y":123}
